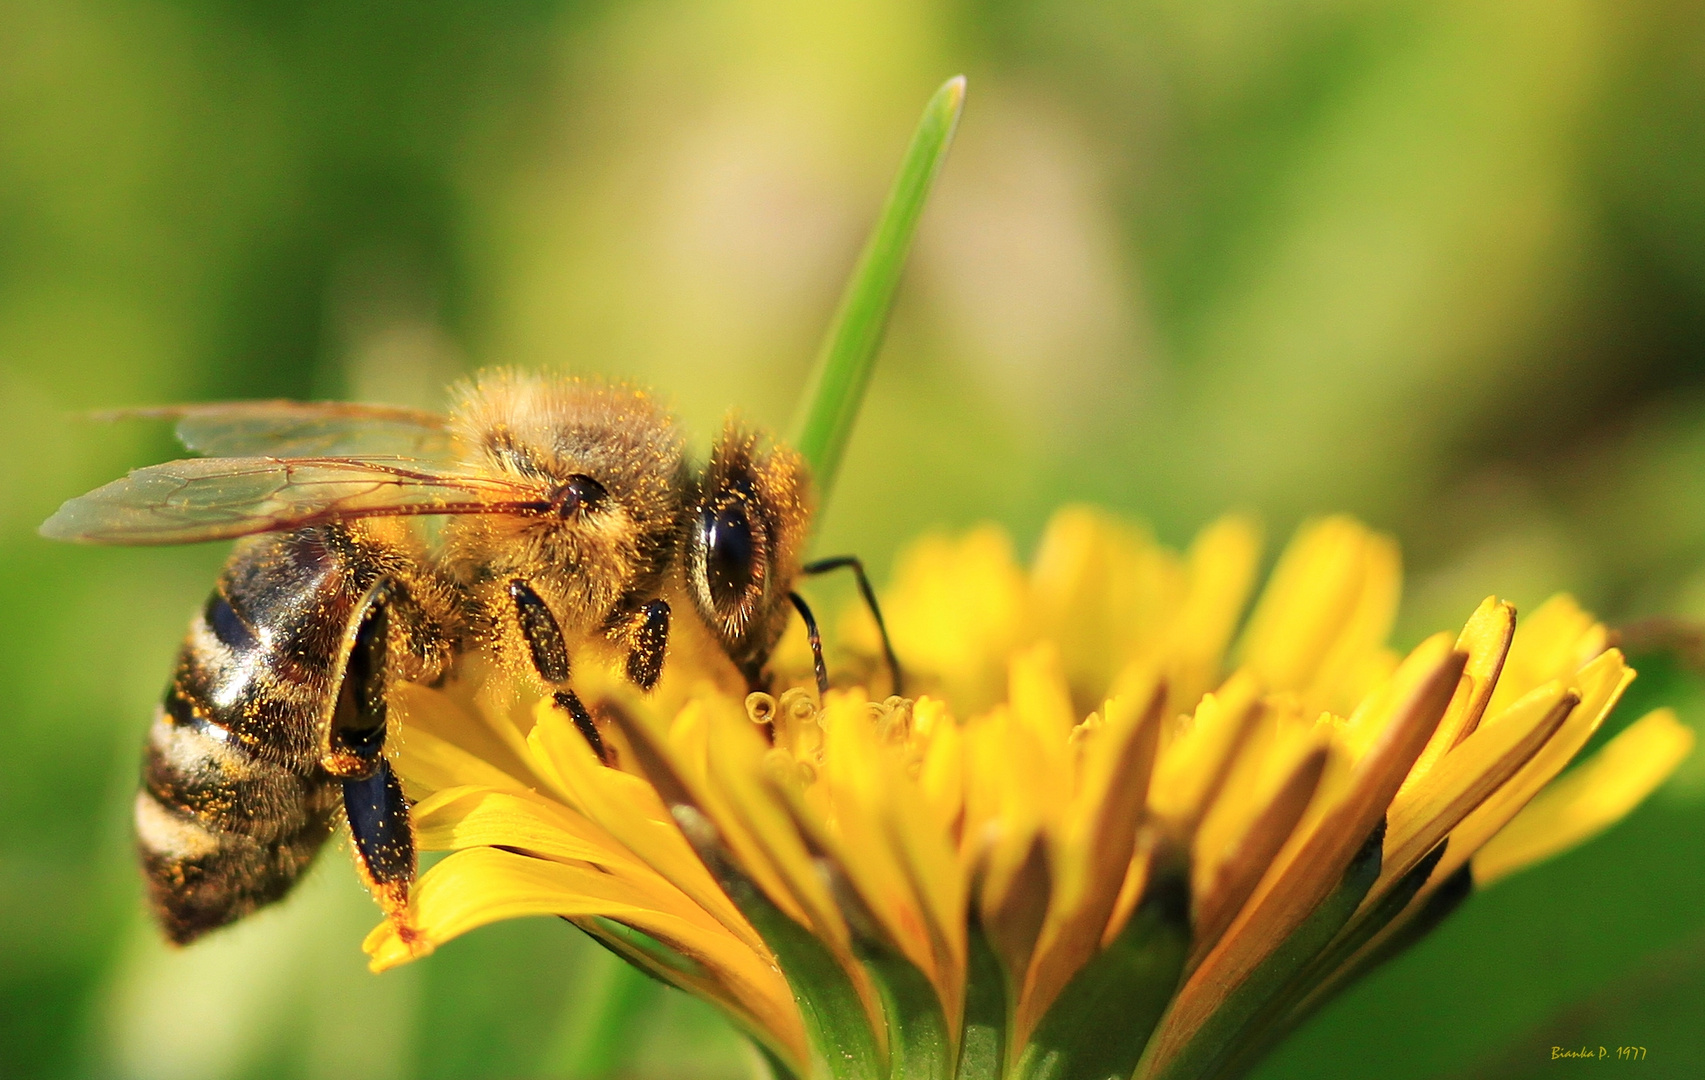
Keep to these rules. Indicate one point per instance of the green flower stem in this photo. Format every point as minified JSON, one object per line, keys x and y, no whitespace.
{"x":832,"y":397}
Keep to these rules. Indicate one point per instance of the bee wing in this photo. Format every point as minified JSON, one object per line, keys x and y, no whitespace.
{"x":183,"y":502}
{"x":290,"y":429}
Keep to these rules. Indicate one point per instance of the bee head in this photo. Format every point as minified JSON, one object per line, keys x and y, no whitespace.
{"x":744,"y":543}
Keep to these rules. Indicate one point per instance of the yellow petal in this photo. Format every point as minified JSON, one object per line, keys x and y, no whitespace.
{"x":941,"y":773}
{"x":1241,"y":837}
{"x":728,"y":784}
{"x":1194,"y":766}
{"x":458,"y":818}
{"x":1315,"y":859}
{"x":471,"y":888}
{"x":1016,"y":786}
{"x":761,"y":833}
{"x":1151,"y":846}
{"x":956,"y":607}
{"x":1600,"y":685}
{"x":1219,"y":572}
{"x":1100,"y":588}
{"x":1094,"y":849}
{"x":476,"y":711}
{"x":684,"y":770}
{"x":428,"y":764}
{"x":1424,"y":814}
{"x":1039,"y":694}
{"x":1486,"y":639}
{"x":628,"y":808}
{"x":1320,"y":627}
{"x":1012,"y":909}
{"x":894,"y":852}
{"x":1554,"y":642}
{"x":1591,"y":798}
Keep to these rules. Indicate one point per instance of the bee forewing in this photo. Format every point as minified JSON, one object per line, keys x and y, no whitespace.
{"x":198,"y":499}
{"x":302,"y":429}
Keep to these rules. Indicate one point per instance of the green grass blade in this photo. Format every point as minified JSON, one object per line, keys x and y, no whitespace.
{"x":848,"y":356}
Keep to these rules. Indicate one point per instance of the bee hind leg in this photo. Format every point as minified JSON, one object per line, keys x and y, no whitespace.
{"x":384,"y":838}
{"x":373,"y":800}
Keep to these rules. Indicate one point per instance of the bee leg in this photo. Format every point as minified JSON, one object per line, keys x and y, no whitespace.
{"x":544,"y":636}
{"x":853,"y":563}
{"x":569,"y":702}
{"x":650,"y":637}
{"x":550,"y":660}
{"x":816,"y":639}
{"x":358,"y":721}
{"x":384,"y":837}
{"x":372,"y":796}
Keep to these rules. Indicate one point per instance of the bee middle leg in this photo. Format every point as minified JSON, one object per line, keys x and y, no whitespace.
{"x":550,"y":660}
{"x":649,"y":638}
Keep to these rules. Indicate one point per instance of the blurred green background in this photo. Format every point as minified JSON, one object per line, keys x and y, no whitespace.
{"x":1440,"y":264}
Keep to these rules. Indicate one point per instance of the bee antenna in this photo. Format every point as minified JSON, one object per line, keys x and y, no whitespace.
{"x":853,"y":563}
{"x":816,"y":643}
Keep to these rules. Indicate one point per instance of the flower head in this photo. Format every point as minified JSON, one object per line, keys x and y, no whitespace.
{"x":1111,"y":833}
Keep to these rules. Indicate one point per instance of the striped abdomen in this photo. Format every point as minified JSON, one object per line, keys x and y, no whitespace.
{"x":236,"y":796}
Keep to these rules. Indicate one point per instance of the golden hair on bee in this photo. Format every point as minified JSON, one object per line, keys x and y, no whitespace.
{"x":611,"y":462}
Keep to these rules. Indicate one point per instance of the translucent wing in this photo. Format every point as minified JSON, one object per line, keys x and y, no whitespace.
{"x":289,"y":429}
{"x":182,"y":502}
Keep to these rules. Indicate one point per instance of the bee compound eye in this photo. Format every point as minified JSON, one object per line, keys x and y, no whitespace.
{"x":730,"y":557}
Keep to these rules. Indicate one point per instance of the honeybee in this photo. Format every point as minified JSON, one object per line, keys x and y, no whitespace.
{"x":569,"y":509}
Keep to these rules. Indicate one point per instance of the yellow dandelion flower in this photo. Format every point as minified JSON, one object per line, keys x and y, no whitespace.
{"x":1109,"y":836}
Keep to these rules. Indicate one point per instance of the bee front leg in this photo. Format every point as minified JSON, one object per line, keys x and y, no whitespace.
{"x":856,"y":565}
{"x":550,"y":660}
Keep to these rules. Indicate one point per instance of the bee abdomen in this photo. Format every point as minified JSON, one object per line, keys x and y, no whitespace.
{"x":234,"y":803}
{"x":201,"y":878}
{"x":221,"y":830}
{"x":197,"y":767}
{"x":263,"y":692}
